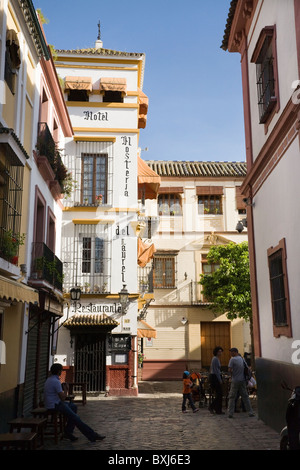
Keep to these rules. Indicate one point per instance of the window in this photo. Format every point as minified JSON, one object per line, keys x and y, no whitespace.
{"x":169,"y":204}
{"x":94,"y":178}
{"x":279,"y":290}
{"x":12,"y":59}
{"x":113,"y":97}
{"x":11,"y":185}
{"x":164,"y":272}
{"x":208,"y":268}
{"x":78,"y":95}
{"x":265,"y":58}
{"x":92,"y":255}
{"x":212,"y":204}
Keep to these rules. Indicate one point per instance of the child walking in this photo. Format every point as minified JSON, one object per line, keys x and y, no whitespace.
{"x":187,"y":394}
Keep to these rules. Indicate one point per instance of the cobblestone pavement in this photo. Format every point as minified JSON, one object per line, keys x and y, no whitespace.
{"x":154,"y":421}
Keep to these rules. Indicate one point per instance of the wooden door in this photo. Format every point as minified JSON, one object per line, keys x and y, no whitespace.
{"x":215,"y":334}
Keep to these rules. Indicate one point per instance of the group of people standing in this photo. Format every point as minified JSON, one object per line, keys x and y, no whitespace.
{"x":238,"y":387}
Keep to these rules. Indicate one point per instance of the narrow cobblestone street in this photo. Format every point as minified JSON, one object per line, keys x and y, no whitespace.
{"x":154,"y":421}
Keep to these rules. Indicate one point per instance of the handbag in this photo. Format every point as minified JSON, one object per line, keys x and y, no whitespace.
{"x":247,"y":371}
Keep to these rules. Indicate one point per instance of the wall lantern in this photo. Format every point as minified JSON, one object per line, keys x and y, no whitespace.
{"x":75,"y":293}
{"x":184,"y":320}
{"x":123,"y":299}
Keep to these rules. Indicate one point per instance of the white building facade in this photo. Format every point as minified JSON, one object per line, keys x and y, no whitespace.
{"x":98,"y":340}
{"x":198,"y":206}
{"x":267,"y":35}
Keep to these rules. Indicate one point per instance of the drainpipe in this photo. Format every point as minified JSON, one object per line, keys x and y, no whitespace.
{"x":135,"y":368}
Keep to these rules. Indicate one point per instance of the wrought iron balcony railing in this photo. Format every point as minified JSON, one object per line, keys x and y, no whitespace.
{"x":45,"y":266}
{"x":145,"y":280}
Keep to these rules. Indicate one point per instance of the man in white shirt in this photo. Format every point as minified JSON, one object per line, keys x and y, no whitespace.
{"x":238,"y":383}
{"x":54,"y":398}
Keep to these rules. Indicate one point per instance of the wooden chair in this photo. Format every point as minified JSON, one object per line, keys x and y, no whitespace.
{"x":36,"y":425}
{"x":55,"y":422}
{"x":18,"y":440}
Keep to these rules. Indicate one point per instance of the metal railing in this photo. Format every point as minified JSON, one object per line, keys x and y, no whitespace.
{"x":45,"y":143}
{"x":145,"y":280}
{"x":46,"y":266}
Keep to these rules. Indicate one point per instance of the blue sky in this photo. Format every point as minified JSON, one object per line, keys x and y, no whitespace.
{"x":194,"y":87}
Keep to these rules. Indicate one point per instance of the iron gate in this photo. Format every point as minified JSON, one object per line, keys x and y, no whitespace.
{"x":90,"y":361}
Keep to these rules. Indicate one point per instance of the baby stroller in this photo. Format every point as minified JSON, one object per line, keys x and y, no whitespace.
{"x":198,"y":392}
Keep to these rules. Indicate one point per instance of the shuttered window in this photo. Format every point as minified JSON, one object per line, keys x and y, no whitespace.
{"x":169,"y":204}
{"x":279,"y":290}
{"x":94,"y":178}
{"x":164,"y":272}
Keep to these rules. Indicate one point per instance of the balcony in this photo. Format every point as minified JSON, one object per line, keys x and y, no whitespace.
{"x":145,"y":280}
{"x":46,"y":268}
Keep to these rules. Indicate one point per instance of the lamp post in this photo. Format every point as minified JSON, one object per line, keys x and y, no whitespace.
{"x":123,"y":299}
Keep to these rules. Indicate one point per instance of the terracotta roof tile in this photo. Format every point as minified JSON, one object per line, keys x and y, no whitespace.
{"x":100,"y":51}
{"x":198,"y":169}
{"x":227,"y":30}
{"x":90,"y":320}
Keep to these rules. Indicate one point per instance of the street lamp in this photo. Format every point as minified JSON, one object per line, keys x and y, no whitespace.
{"x":123,"y":299}
{"x":75,"y":293}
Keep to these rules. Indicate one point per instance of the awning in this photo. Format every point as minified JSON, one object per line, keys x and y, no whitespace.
{"x":171,"y":190}
{"x":78,"y":83}
{"x":209,"y":190}
{"x":90,"y":320}
{"x":144,"y":330}
{"x":143,"y":102}
{"x":145,"y":253}
{"x":15,"y":291}
{"x":12,"y":43}
{"x":142,"y":121}
{"x":240,"y":205}
{"x":113,"y":84}
{"x":148,"y":181}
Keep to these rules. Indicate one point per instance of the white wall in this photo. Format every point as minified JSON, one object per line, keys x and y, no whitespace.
{"x":281,"y":14}
{"x":275,"y":217}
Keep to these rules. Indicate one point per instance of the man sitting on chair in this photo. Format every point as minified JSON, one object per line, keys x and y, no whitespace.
{"x":54,"y":399}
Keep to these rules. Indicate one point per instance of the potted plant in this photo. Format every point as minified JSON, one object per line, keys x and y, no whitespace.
{"x":206,"y":210}
{"x":86,"y":201}
{"x":87,"y":287}
{"x":9,"y":246}
{"x":141,"y":357}
{"x":99,"y":199}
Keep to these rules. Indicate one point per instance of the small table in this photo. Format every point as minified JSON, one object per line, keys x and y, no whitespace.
{"x":36,"y":425}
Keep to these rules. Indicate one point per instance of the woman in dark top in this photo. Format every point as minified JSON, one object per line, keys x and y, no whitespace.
{"x":216,"y":381}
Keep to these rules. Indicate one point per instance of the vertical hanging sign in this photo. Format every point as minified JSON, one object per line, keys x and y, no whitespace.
{"x":127,"y":146}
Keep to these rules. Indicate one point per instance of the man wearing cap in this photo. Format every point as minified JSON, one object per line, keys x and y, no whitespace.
{"x":238,"y":383}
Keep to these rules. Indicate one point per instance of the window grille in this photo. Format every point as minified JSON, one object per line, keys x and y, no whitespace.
{"x":11,"y":186}
{"x":92,"y":172}
{"x":87,"y":258}
{"x":164,"y":276}
{"x":169,"y":204}
{"x":278,"y":289}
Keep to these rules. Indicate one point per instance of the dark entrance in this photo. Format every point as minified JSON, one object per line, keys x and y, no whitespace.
{"x":90,"y":360}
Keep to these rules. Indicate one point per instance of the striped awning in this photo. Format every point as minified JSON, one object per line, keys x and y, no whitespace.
{"x":144,"y":330}
{"x":78,"y":83}
{"x":90,"y":320}
{"x":113,"y":84}
{"x":15,"y":291}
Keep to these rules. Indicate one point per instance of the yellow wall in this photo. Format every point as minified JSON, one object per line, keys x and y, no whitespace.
{"x":12,"y":337}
